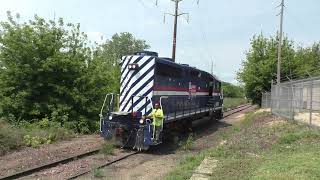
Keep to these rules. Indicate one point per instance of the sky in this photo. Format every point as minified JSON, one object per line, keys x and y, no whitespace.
{"x":217,"y":31}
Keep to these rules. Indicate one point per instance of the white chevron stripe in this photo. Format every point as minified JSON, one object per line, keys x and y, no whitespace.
{"x":143,"y":101}
{"x":125,"y":88}
{"x":126,"y":69}
{"x":123,"y":60}
{"x":144,"y":59}
{"x":138,"y":85}
{"x":141,"y":72}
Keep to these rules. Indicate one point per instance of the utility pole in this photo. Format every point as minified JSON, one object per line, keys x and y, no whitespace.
{"x":212,"y":66}
{"x":175,"y":26}
{"x":280,"y":43}
{"x":174,"y":45}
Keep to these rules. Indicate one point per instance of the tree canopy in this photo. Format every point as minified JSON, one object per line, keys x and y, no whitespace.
{"x":259,"y":67}
{"x":48,"y":71}
{"x":233,"y":91}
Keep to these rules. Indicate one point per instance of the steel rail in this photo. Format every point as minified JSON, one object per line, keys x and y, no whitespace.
{"x":237,"y":109}
{"x":103,"y":165}
{"x":48,"y":165}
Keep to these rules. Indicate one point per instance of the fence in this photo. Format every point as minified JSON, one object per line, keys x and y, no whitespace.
{"x":296,"y":100}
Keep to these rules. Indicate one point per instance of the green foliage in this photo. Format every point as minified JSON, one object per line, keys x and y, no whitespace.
{"x":107,"y":148}
{"x":230,"y":103}
{"x":10,"y":137}
{"x":48,"y":72}
{"x":186,"y":167}
{"x":260,"y":150}
{"x":294,"y":136}
{"x":232,"y":91}
{"x":30,"y":134}
{"x":260,"y":65}
{"x":97,"y":173}
{"x":188,"y":143}
{"x":35,"y":141}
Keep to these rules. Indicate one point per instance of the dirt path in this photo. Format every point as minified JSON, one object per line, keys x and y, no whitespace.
{"x":31,"y":157}
{"x":158,"y":162}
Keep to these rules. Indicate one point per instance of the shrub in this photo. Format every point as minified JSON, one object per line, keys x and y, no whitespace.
{"x":10,"y":137}
{"x":108,"y":148}
{"x":187,"y":144}
{"x":30,"y":134}
{"x":97,"y":173}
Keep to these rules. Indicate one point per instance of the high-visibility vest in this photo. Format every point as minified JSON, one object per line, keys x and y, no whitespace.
{"x":157,"y":116}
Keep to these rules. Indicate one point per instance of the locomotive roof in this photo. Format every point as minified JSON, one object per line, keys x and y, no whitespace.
{"x":169,"y":62}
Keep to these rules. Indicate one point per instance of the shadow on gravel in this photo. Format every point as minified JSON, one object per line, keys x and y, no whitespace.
{"x":200,"y":128}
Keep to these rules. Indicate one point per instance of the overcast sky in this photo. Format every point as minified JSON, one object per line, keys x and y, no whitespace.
{"x":218,"y":30}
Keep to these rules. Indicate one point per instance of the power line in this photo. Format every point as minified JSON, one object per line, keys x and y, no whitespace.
{"x":142,"y":3}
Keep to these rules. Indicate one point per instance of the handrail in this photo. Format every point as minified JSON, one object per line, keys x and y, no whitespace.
{"x":144,"y":97}
{"x":104,"y":102}
{"x":101,"y":111}
{"x":162,"y":97}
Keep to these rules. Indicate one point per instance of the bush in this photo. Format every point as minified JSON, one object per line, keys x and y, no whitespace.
{"x":48,"y":71}
{"x":31,"y":134}
{"x":187,"y":144}
{"x":232,"y":91}
{"x":230,"y":103}
{"x":97,"y":173}
{"x":45,"y":132}
{"x":108,"y":148}
{"x":10,"y":137}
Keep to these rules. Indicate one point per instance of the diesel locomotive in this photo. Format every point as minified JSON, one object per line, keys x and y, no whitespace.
{"x":184,"y":93}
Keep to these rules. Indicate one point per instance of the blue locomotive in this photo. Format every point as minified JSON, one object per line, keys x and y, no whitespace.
{"x":183,"y":92}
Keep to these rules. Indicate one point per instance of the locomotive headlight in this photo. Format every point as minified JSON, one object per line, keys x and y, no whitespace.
{"x":133,"y":66}
{"x":110,"y":118}
{"x":141,"y":121}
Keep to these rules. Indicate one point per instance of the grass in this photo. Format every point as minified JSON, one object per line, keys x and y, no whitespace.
{"x":257,"y":149}
{"x":33,"y":135}
{"x":10,"y":137}
{"x":97,"y":173}
{"x":108,"y":148}
{"x":230,"y":103}
{"x":187,"y":144}
{"x":185,"y":168}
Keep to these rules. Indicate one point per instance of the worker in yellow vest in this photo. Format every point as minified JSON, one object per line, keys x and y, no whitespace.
{"x":157,"y":116}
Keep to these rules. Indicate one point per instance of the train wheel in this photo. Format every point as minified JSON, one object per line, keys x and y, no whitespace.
{"x":219,"y":115}
{"x":187,"y":126}
{"x":212,"y":116}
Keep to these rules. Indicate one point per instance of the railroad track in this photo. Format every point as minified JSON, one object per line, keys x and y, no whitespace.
{"x":237,"y":109}
{"x":104,"y":165}
{"x":29,"y":171}
{"x":93,"y":152}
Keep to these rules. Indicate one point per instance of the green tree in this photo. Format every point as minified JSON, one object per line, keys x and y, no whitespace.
{"x":230,"y":90}
{"x":308,"y":61}
{"x":47,"y":71}
{"x":44,"y":64}
{"x":260,"y":65}
{"x":109,"y":54}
